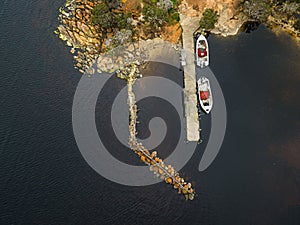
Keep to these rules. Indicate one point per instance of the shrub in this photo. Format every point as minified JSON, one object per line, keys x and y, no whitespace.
{"x":122,"y":20}
{"x":99,"y":12}
{"x":105,"y":18}
{"x":156,"y":16}
{"x":174,"y":17}
{"x":209,"y":19}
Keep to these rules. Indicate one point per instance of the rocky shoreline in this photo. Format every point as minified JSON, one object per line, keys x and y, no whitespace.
{"x":76,"y":31}
{"x":279,"y":26}
{"x":89,"y":47}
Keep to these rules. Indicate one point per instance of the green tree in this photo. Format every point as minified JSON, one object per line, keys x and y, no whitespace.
{"x":99,"y":12}
{"x":105,"y":18}
{"x":173,"y":17}
{"x":175,"y":3}
{"x":209,"y":19}
{"x":122,"y":20}
{"x":155,"y":15}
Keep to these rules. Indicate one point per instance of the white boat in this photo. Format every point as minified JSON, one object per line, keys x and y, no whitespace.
{"x":202,"y":53}
{"x":204,"y":94}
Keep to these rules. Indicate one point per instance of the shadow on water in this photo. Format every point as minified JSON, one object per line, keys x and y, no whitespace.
{"x":249,"y":27}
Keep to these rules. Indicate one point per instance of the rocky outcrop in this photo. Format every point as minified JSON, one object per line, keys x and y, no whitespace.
{"x":76,"y":30}
{"x":283,"y":18}
{"x":119,"y":57}
{"x":138,"y":53}
{"x":230,"y":19}
{"x":89,"y":46}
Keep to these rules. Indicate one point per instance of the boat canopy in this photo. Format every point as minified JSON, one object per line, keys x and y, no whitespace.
{"x":204,"y":95}
{"x":202,"y":52}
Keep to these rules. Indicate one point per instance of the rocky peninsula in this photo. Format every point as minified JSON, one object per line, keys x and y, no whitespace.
{"x":113,"y":33}
{"x":99,"y":30}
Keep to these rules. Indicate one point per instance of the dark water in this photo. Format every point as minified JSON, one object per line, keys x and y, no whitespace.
{"x":44,"y":179}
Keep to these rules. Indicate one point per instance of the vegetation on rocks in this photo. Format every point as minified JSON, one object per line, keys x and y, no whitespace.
{"x":159,"y":13}
{"x":258,"y":10}
{"x":209,"y":19}
{"x":287,"y":13}
{"x":284,"y":13}
{"x":93,"y":27}
{"x":108,"y":19}
{"x":111,"y":17}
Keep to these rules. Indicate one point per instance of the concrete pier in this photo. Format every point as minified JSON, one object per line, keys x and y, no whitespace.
{"x":189,"y":25}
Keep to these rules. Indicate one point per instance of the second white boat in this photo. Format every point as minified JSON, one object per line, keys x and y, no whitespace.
{"x":204,"y":94}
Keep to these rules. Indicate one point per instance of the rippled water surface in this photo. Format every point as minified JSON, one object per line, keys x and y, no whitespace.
{"x":44,"y":180}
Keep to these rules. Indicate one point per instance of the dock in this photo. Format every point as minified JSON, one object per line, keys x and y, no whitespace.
{"x":189,"y":25}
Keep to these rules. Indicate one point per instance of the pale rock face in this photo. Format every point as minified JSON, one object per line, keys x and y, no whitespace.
{"x":211,"y":4}
{"x":226,"y":8}
{"x":187,"y":9}
{"x":220,"y":7}
{"x":227,"y":24}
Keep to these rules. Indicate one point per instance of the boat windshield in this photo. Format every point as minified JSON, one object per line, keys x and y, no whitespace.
{"x":202,"y":42}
